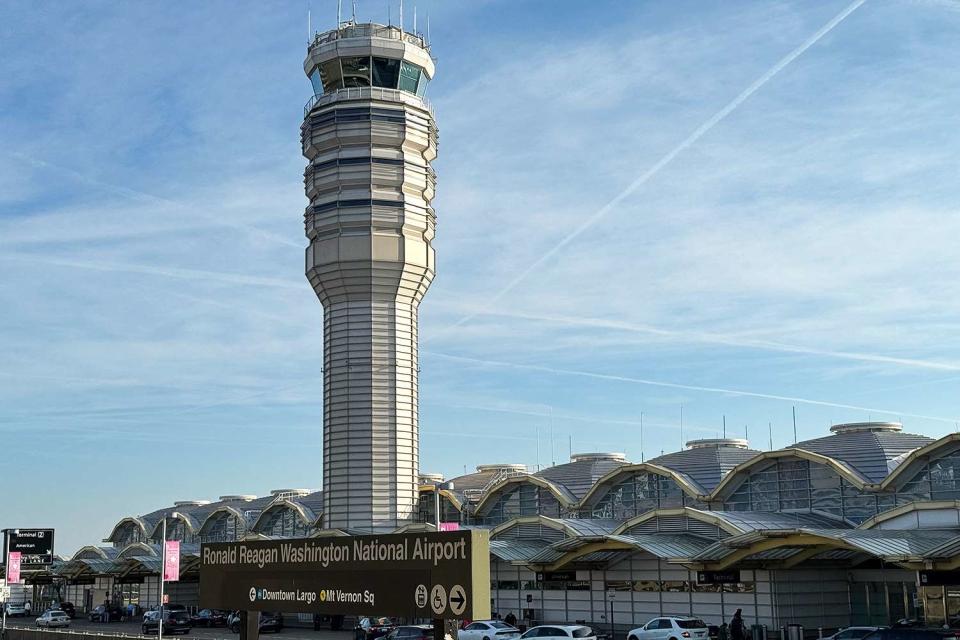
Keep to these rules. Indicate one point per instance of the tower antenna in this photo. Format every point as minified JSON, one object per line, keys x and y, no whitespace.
{"x":309,"y":29}
{"x":428,"y":28}
{"x":794,"y":424}
{"x":401,"y":19}
{"x":641,"y":436}
{"x":770,"y":431}
{"x":339,"y":7}
{"x":353,"y":6}
{"x":389,"y":16}
{"x":414,"y":19}
{"x":724,"y":426}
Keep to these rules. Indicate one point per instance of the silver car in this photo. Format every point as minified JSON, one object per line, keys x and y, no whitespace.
{"x":53,"y":619}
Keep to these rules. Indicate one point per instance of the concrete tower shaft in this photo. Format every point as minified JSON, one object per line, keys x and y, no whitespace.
{"x":369,"y":138}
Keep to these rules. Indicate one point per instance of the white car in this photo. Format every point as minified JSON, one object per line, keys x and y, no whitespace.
{"x":15,"y":609}
{"x":488,"y":630}
{"x":52,"y":619}
{"x":560,"y":632}
{"x":853,"y":633}
{"x":671,"y":628}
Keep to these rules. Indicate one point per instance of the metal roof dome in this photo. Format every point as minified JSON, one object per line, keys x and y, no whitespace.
{"x":870,"y":449}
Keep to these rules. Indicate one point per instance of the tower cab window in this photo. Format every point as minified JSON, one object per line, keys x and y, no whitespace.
{"x":363,"y":71}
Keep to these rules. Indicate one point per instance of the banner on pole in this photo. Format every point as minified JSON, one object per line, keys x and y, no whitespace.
{"x":13,"y":568}
{"x":171,"y":563}
{"x":449,"y":526}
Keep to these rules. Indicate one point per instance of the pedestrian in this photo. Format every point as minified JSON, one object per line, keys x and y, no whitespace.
{"x":737,"y":628}
{"x":26,"y":608}
{"x":511,"y":619}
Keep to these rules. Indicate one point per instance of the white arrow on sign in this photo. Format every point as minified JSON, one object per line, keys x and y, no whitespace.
{"x":458,"y":600}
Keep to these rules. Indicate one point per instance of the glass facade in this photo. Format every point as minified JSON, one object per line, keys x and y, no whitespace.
{"x":521,"y":500}
{"x":284,"y":523}
{"x":938,"y":479}
{"x":223,"y":527}
{"x":127,"y":534}
{"x":426,"y":513}
{"x":798,"y":485}
{"x":638,"y":494}
{"x":367,"y":71}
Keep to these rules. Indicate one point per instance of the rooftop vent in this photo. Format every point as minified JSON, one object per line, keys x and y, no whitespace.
{"x":501,"y":467}
{"x":596,"y":457}
{"x":430,"y":478}
{"x":190,"y":503}
{"x":289,"y":493}
{"x":859,"y":427}
{"x":708,"y":443}
{"x":237,"y":498}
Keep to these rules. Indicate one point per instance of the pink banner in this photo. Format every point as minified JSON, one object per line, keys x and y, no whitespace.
{"x":171,"y":562}
{"x":449,"y":526}
{"x":13,"y":568}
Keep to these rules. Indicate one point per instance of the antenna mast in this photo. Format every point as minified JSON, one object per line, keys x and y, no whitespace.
{"x":794,"y":424}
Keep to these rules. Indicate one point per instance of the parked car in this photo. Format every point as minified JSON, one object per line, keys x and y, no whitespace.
{"x":561,"y":632}
{"x":411,"y":632}
{"x":853,"y":633}
{"x":209,"y":618}
{"x":374,"y":627}
{"x":269,"y":622}
{"x":15,"y":609}
{"x":671,"y":628}
{"x":106,"y":614}
{"x":173,"y":622}
{"x":69,"y":609}
{"x":53,"y":619}
{"x":488,"y":630}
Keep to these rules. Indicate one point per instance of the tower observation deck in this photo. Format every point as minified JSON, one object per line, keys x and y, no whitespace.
{"x":369,"y":137}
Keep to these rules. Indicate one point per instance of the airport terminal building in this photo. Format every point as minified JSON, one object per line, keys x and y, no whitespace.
{"x":861,"y":526}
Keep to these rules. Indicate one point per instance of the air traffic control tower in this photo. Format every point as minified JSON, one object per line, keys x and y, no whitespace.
{"x":369,"y":137}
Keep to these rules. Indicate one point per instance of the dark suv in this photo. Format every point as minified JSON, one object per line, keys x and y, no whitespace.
{"x":173,"y":622}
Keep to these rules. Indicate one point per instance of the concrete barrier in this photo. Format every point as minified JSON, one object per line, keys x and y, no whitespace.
{"x":21,"y":633}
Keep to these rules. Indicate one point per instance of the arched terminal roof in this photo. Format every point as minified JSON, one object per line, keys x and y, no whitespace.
{"x":706,"y":462}
{"x":870,"y":449}
{"x":582,"y":472}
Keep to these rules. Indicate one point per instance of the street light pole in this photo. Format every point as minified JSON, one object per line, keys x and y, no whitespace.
{"x":6,"y":572}
{"x":163,"y":565}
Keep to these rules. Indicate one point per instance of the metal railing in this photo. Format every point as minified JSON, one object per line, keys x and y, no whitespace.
{"x":367,"y":93}
{"x":350,"y":30}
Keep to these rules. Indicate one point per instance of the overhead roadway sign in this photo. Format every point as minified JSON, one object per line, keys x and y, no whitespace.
{"x":442,"y":575}
{"x":34,"y":545}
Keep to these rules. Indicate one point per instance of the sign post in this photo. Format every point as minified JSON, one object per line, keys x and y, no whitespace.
{"x":440,"y":576}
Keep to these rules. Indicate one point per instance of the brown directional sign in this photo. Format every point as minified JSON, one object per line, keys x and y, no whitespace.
{"x":423,"y":575}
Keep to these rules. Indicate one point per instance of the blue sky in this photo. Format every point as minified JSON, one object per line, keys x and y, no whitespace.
{"x":607,"y":243}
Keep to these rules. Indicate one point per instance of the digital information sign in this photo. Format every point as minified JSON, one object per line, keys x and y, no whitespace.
{"x":442,"y":575}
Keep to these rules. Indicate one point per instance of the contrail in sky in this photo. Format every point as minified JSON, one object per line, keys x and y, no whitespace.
{"x":687,"y":142}
{"x":722,"y":339}
{"x":134,"y":194}
{"x":169,"y":272}
{"x":687,"y":387}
